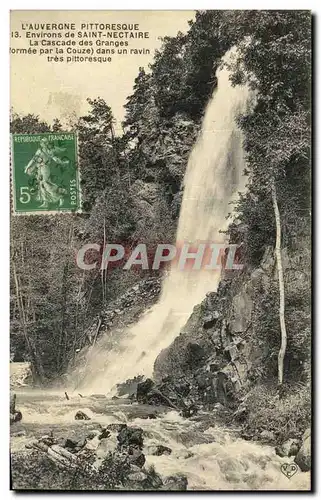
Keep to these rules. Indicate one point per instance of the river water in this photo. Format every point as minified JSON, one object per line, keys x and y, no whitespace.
{"x":211,"y":457}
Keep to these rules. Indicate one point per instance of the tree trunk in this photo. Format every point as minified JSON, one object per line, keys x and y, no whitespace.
{"x":281,"y":285}
{"x":31,"y":348}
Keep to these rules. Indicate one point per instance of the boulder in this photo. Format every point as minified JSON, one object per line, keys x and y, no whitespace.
{"x":70,"y":443}
{"x":130,"y":436}
{"x":137,"y":476}
{"x":267,"y":436}
{"x":289,"y":448}
{"x":189,"y":439}
{"x":143,"y":389}
{"x":177,"y":482}
{"x":15,"y":417}
{"x":303,"y":458}
{"x":115,"y":427}
{"x":80,"y":415}
{"x":136,"y":457}
{"x":150,"y":416}
{"x":184,"y":454}
{"x":105,"y":433}
{"x":158,"y":450}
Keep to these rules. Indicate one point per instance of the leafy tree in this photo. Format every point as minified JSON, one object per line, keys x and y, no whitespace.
{"x":275,"y":61}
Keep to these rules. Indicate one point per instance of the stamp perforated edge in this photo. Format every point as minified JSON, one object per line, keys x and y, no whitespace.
{"x":13,"y":210}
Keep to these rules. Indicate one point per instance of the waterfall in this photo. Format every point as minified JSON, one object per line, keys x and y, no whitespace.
{"x":213,"y":178}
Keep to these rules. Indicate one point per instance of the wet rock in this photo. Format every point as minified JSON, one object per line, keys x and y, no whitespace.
{"x":247,"y":436}
{"x":134,"y":468}
{"x":158,"y":450}
{"x":71,"y":444}
{"x":303,"y":458}
{"x":191,"y":438}
{"x":267,"y":436}
{"x":289,"y":448}
{"x":184,"y":454}
{"x":116,"y":427}
{"x":105,"y":433}
{"x":177,"y":482}
{"x":154,"y":481}
{"x":87,"y":456}
{"x":149,"y":416}
{"x":130,"y":436}
{"x":15,"y":417}
{"x":80,"y":415}
{"x":48,"y":440}
{"x":136,"y":457}
{"x":137,"y":476}
{"x":143,"y":389}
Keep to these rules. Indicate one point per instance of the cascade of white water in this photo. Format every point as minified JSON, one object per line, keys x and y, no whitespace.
{"x":212,"y":181}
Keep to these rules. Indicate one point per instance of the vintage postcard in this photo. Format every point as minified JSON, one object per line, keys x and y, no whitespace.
{"x":160,"y":286}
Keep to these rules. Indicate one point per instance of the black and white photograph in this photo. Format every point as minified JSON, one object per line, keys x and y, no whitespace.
{"x":160,"y":250}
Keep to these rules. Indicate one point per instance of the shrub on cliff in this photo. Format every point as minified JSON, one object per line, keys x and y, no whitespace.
{"x":285,"y":417}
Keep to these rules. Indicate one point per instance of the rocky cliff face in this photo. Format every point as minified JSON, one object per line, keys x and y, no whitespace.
{"x":223,"y":350}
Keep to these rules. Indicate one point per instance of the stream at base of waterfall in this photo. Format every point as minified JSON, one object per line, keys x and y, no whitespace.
{"x":210,"y":456}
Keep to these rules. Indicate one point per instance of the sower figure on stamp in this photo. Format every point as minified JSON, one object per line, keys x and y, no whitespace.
{"x":40,"y":165}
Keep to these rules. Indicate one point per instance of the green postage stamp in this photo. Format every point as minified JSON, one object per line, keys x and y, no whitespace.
{"x":45,"y":176}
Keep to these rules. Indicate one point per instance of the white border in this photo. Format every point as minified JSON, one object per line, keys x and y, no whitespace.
{"x":5,"y":191}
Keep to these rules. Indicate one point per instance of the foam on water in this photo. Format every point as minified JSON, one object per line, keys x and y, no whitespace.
{"x":213,"y":178}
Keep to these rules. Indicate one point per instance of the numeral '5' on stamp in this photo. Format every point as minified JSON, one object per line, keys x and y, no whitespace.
{"x":45,"y":173}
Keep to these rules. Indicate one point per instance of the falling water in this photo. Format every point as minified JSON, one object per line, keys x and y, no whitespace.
{"x":212,"y":181}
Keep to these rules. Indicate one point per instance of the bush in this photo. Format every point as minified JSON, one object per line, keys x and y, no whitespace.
{"x":286,"y":417}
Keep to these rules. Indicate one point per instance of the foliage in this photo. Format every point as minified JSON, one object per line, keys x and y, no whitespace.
{"x":285,"y":417}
